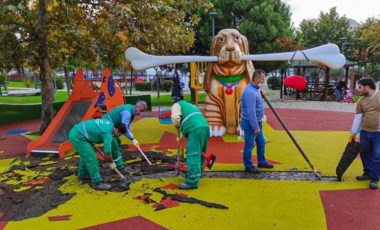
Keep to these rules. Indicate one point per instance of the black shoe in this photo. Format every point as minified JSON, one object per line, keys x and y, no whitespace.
{"x":363,"y":177}
{"x":374,"y":184}
{"x":253,"y":170}
{"x":266,"y":165}
{"x":102,"y":186}
{"x":186,"y":186}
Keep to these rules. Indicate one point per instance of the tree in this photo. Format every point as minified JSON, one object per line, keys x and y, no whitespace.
{"x":91,"y":34}
{"x":366,"y":43}
{"x":45,"y":71}
{"x":328,"y":28}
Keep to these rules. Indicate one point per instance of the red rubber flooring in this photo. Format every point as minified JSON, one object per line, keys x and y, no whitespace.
{"x":294,"y":119}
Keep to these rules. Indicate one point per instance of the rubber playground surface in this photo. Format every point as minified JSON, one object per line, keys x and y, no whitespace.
{"x":251,"y":203}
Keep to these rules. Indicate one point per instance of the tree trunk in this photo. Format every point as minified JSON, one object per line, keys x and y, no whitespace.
{"x":67,"y":79}
{"x":45,"y":73}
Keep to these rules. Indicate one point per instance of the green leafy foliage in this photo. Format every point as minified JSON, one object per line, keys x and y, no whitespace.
{"x":28,"y":82}
{"x":330,"y":27}
{"x":3,"y":78}
{"x":167,"y":85}
{"x":274,"y":83}
{"x":143,"y":86}
{"x":59,"y":82}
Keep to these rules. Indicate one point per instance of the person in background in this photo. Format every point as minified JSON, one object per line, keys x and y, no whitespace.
{"x":251,"y":123}
{"x":193,"y":125}
{"x":339,"y":89}
{"x":125,"y":114}
{"x":83,"y":135}
{"x":367,"y":123}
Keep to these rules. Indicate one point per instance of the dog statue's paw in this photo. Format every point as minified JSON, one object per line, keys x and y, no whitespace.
{"x":217,"y":131}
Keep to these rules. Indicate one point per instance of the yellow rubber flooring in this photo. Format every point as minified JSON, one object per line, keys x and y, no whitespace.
{"x":252,"y":203}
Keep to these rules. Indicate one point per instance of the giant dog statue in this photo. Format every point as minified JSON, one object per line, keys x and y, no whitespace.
{"x":225,"y":81}
{"x":229,"y":71}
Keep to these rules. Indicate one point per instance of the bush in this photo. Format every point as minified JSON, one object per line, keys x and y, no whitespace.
{"x":3,"y":78}
{"x":143,"y":86}
{"x":28,"y":82}
{"x":59,"y":82}
{"x":274,"y":83}
{"x":167,"y":85}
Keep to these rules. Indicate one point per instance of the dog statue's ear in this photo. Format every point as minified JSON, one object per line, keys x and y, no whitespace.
{"x":245,"y":45}
{"x":248,"y":64}
{"x":208,"y":77}
{"x":210,"y":66}
{"x":213,"y":48}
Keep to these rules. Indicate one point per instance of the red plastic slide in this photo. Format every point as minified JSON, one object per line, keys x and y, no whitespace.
{"x":84,"y":103}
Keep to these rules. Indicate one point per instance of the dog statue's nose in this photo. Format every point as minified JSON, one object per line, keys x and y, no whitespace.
{"x":230,"y":48}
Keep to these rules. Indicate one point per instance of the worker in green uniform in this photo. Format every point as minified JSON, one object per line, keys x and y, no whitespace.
{"x":125,"y":114}
{"x":194,"y":126}
{"x":95,"y":131}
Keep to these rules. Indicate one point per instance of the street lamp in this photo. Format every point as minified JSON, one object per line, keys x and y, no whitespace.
{"x":344,"y":42}
{"x":213,"y":14}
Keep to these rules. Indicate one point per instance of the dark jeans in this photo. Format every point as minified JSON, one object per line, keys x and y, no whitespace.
{"x":371,"y":154}
{"x":249,"y":142}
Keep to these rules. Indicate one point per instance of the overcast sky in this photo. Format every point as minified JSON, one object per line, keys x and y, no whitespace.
{"x":359,"y":10}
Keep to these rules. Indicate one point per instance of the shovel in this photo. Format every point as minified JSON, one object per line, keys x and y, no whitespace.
{"x":124,"y":181}
{"x":143,"y":154}
{"x":291,"y":137}
{"x":177,"y":168}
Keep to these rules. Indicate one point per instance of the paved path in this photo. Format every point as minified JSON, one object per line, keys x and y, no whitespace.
{"x":23,"y":92}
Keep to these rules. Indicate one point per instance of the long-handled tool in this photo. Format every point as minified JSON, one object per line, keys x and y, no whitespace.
{"x":124,"y":181}
{"x":143,"y":154}
{"x":291,"y":136}
{"x":177,"y":167}
{"x":209,"y":158}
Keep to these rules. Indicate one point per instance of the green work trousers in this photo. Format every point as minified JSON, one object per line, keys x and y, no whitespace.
{"x":116,"y":153}
{"x":88,"y":162}
{"x":197,"y":142}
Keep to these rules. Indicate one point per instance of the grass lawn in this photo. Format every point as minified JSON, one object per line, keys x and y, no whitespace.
{"x":59,"y":96}
{"x":18,"y":84}
{"x":165,"y":100}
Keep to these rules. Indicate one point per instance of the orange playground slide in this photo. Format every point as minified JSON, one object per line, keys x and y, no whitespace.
{"x":84,"y":103}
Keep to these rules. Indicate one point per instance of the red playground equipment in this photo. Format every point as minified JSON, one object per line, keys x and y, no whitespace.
{"x":84,"y":103}
{"x":296,"y":82}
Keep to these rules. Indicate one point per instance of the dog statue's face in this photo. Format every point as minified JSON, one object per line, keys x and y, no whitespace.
{"x":229,"y":45}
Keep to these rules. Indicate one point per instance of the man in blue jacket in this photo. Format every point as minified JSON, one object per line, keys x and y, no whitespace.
{"x":251,"y":123}
{"x":125,"y":114}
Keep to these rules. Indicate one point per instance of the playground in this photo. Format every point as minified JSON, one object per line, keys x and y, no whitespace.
{"x":42,"y":192}
{"x":39,"y":188}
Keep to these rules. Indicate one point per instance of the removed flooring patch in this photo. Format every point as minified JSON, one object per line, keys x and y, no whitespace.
{"x":263,"y":175}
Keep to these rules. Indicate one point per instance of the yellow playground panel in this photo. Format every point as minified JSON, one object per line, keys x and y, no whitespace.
{"x":197,"y":75}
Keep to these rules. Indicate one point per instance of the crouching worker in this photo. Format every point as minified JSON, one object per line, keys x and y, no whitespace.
{"x":194,"y":126}
{"x":95,"y":131}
